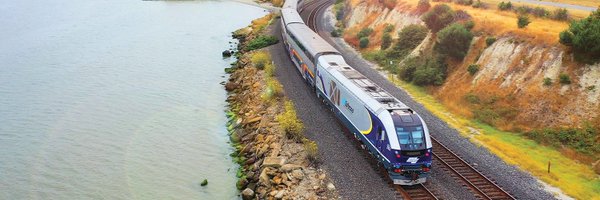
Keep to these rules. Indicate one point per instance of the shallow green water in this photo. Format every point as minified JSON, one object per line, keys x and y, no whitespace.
{"x":115,"y":99}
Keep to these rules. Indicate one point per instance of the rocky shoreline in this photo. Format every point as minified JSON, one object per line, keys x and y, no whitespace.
{"x":274,"y":164}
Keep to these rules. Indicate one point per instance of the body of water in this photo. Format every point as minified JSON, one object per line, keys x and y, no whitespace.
{"x":115,"y":99}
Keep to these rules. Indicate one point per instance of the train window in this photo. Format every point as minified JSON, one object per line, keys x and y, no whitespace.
{"x":403,"y":136}
{"x":412,"y":136}
{"x":417,"y":137}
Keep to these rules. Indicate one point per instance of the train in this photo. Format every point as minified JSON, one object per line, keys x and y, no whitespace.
{"x":394,"y":134}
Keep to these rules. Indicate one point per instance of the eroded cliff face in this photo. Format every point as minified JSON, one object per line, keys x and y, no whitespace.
{"x":509,"y":90}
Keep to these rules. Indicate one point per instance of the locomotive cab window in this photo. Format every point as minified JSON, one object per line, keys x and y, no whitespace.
{"x":411,"y":137}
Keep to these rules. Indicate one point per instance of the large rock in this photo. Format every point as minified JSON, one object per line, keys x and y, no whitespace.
{"x":275,"y":162}
{"x":247,"y":194}
{"x":264,"y":179}
{"x":330,"y":187}
{"x":298,"y":174}
{"x":279,"y":194}
{"x":227,"y":53}
{"x":290,"y":167}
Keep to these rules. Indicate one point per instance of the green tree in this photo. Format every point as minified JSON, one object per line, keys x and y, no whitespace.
{"x":472,"y":69}
{"x":454,"y":41}
{"x":564,"y":79}
{"x":490,"y":40}
{"x":408,"y":38}
{"x":364,"y":42}
{"x":584,"y":36}
{"x":505,"y":6}
{"x":386,"y":41}
{"x":431,"y":72}
{"x":523,"y":21}
{"x":439,"y":17}
{"x":365,"y":32}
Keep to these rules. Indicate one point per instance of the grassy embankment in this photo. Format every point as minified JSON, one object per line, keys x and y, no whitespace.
{"x":575,"y":179}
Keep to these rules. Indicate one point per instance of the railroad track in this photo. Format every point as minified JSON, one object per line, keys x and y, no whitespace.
{"x":481,"y":186}
{"x":320,"y":7}
{"x":416,"y":192}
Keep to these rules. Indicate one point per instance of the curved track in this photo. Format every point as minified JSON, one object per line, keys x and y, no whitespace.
{"x":480,"y":185}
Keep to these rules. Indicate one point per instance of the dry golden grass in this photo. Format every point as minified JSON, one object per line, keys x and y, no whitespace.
{"x":260,"y":23}
{"x":504,"y":23}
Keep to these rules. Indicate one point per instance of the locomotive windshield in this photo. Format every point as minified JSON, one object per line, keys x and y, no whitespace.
{"x":411,"y":138}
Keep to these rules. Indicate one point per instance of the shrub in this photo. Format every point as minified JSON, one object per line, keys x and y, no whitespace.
{"x":584,"y":36}
{"x":439,"y":17}
{"x":408,"y":38}
{"x":431,"y":72}
{"x":424,"y":70}
{"x":564,"y":79}
{"x":583,"y":140}
{"x":269,"y":70}
{"x":423,"y":6}
{"x":469,"y":24}
{"x":479,"y":4}
{"x":472,"y":69}
{"x":566,"y":38}
{"x":273,"y":89}
{"x":289,"y":122}
{"x":522,"y":10}
{"x":490,"y":40}
{"x":260,"y":59}
{"x":337,"y":32}
{"x":454,"y":41}
{"x":407,"y":70}
{"x":486,"y":115}
{"x":261,"y":42}
{"x":339,"y":13}
{"x":364,"y":42}
{"x":505,"y":6}
{"x":388,"y":28}
{"x":472,"y":98}
{"x":561,"y":14}
{"x":540,"y":12}
{"x":464,"y":2}
{"x":312,"y":150}
{"x":461,"y":15}
{"x":547,"y":81}
{"x":365,"y":32}
{"x":523,"y":21}
{"x":386,"y":41}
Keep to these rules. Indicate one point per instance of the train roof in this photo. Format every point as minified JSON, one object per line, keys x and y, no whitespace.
{"x":377,"y":93}
{"x":310,"y":40}
{"x":290,"y":4}
{"x":291,"y":16}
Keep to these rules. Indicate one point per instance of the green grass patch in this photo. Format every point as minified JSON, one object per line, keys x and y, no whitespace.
{"x":260,"y":42}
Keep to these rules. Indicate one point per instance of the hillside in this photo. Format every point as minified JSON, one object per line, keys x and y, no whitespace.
{"x":519,"y":80}
{"x":509,"y":87}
